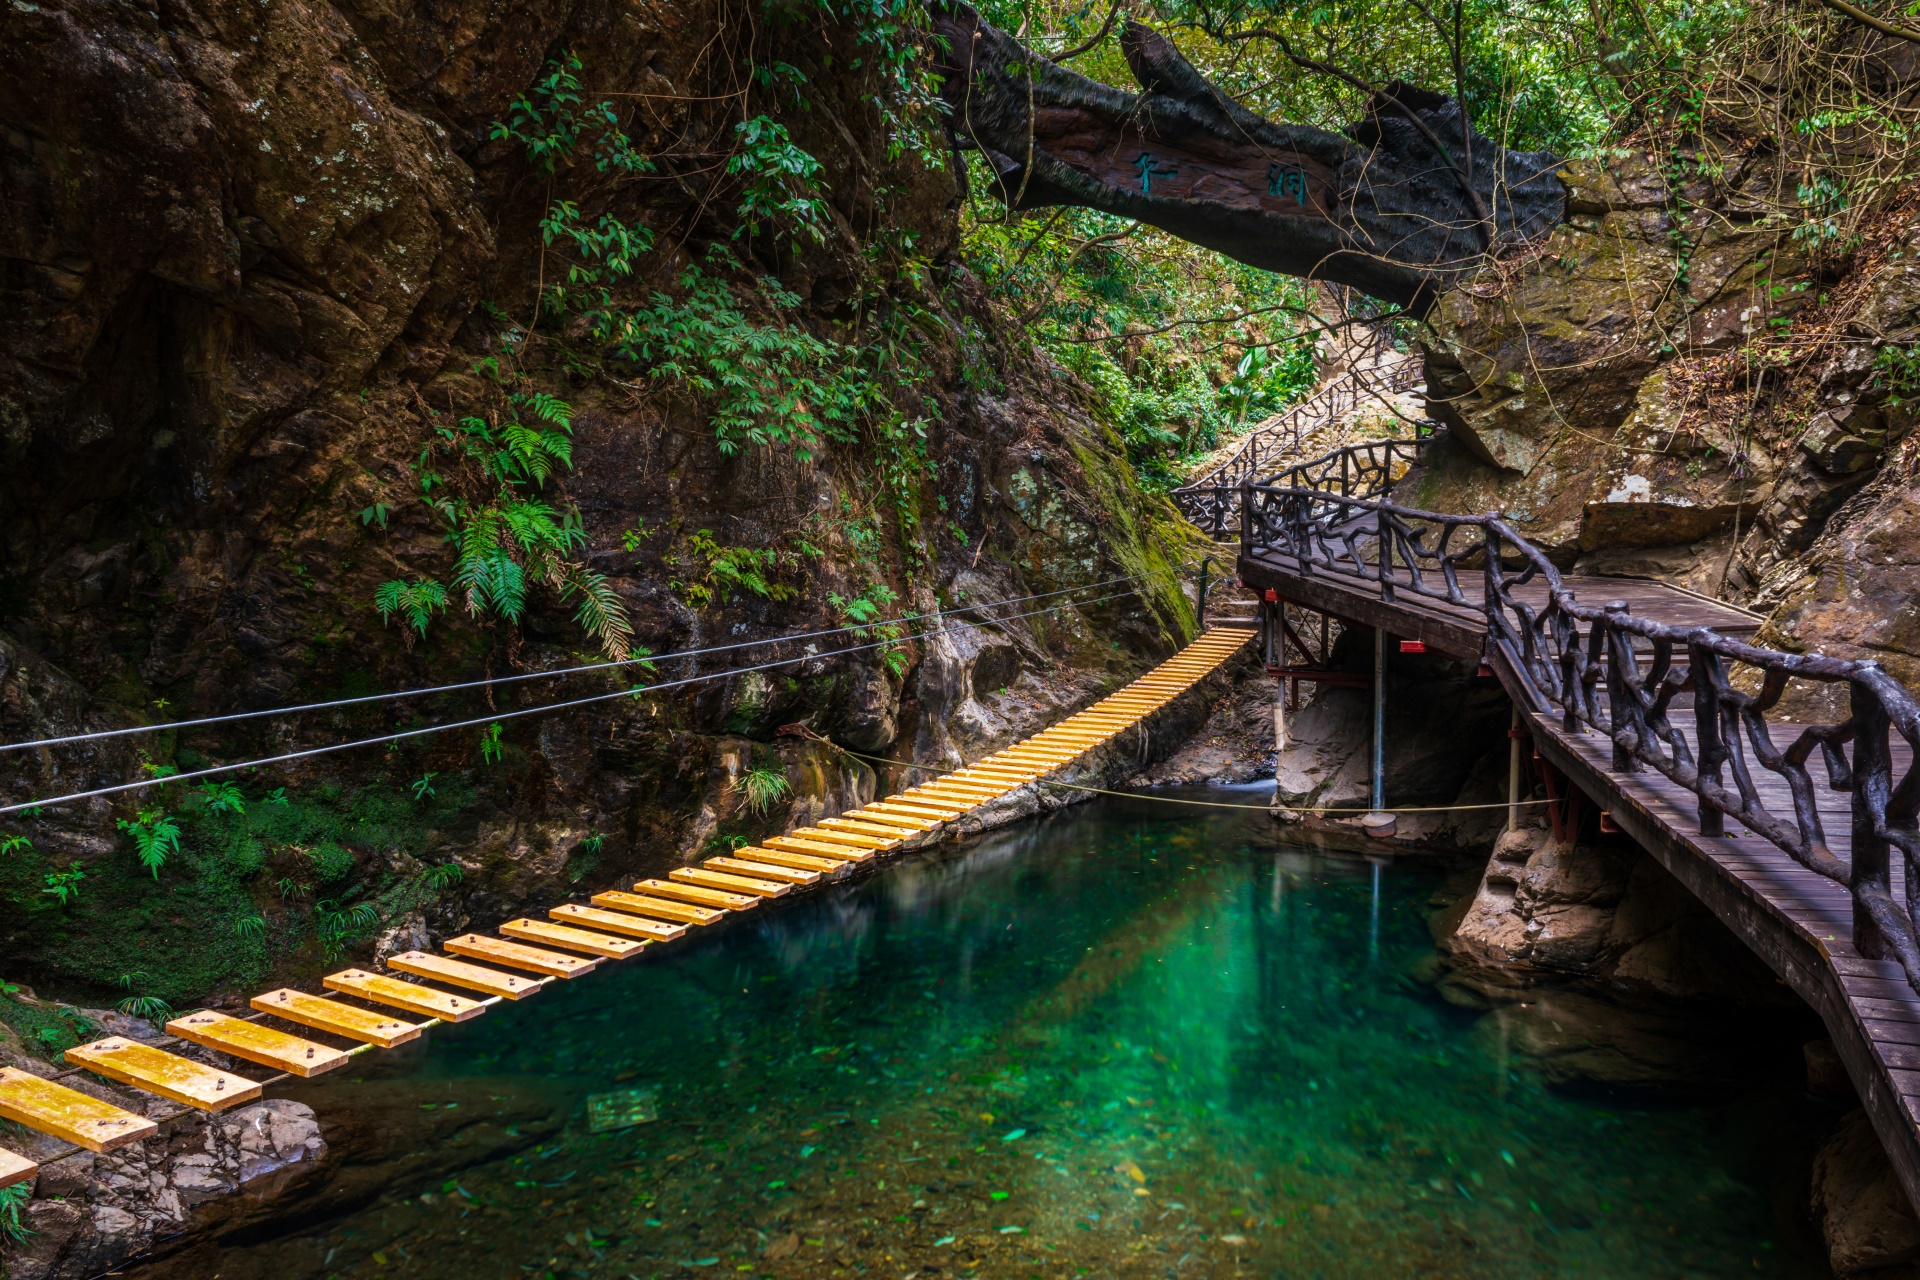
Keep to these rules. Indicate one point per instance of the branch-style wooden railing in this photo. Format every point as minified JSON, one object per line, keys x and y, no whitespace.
{"x":1272,"y":442}
{"x":1583,"y":663}
{"x":1352,"y":471}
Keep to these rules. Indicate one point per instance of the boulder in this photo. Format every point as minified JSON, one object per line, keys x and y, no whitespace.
{"x":1869,"y":1227}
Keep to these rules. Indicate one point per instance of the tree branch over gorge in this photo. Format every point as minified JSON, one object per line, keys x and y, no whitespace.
{"x":1386,"y":206}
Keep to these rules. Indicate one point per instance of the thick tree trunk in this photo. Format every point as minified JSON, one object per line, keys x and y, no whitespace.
{"x":1378,"y":207}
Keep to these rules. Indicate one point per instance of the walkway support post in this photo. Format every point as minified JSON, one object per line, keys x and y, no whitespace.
{"x":1513,"y":771}
{"x":1379,"y":718}
{"x":1200,"y":597}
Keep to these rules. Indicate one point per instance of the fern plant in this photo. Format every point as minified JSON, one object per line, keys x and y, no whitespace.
{"x":222,"y":797}
{"x":859,"y":613}
{"x":416,"y":602}
{"x":156,"y":837}
{"x":511,"y":541}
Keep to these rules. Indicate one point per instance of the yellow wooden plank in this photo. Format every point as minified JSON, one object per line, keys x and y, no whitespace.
{"x":169,"y":1075}
{"x":951,"y":786}
{"x":924,"y":810}
{"x":833,"y":845}
{"x":728,"y":883}
{"x":336,"y":1016}
{"x":400,"y":994}
{"x":257,"y":1043}
{"x":67,"y":1113}
{"x":942,"y":806}
{"x":762,"y":870}
{"x":942,"y":795}
{"x":458,"y":973}
{"x":938,"y":808}
{"x":591,"y":941}
{"x":827,"y":867}
{"x":518,"y":955}
{"x":1004,"y":773}
{"x":612,"y":914}
{"x":664,"y":909}
{"x":841,"y":840}
{"x":873,"y":827}
{"x":698,"y":895}
{"x":884,"y":817}
{"x":15,"y":1168}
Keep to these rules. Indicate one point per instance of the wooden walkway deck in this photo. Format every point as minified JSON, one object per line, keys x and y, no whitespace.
{"x":298,"y":1033}
{"x":1798,"y":921}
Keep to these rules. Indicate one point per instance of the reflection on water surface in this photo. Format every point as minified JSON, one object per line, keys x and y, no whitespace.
{"x":1123,"y":1041}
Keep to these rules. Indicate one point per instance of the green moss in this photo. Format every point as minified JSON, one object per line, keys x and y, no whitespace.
{"x":185,"y":932}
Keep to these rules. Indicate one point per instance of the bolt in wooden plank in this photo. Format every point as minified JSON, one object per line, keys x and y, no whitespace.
{"x":458,"y":973}
{"x":258,"y":1043}
{"x":332,"y":1015}
{"x":518,"y":955}
{"x":425,"y":1001}
{"x":729,"y":883}
{"x":169,"y":1075}
{"x":699,"y":896}
{"x":762,"y":870}
{"x":830,"y":868}
{"x":15,"y":1168}
{"x":591,"y":941}
{"x":67,"y":1113}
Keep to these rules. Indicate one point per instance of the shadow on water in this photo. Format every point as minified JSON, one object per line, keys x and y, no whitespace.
{"x":1128,"y":1039}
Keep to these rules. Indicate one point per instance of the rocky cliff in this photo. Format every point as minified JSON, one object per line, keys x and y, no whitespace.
{"x":264,"y":344}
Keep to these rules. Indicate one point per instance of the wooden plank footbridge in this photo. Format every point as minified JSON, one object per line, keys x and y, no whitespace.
{"x":301,"y":1033}
{"x":1653,"y":703}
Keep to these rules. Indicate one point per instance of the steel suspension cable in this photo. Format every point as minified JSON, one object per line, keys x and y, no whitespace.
{"x":143,"y":783}
{"x":611,"y":664}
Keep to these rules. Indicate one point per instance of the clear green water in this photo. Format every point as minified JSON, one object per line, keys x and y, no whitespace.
{"x":1124,"y":1041}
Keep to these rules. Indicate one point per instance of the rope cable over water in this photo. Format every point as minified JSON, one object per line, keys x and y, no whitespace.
{"x":491,"y":681}
{"x":396,"y":736}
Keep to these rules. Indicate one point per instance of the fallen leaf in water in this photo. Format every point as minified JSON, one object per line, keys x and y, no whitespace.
{"x":1132,"y":1170}
{"x":785,"y":1246}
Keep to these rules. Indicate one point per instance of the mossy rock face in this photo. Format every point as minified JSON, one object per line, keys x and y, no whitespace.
{"x":245,"y":894}
{"x":1556,"y":375}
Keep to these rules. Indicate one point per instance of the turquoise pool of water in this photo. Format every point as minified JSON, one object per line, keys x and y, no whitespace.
{"x":1126,"y":1040}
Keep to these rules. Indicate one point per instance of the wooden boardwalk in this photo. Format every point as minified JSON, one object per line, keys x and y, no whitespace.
{"x":1799,"y":922}
{"x":299,"y":1033}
